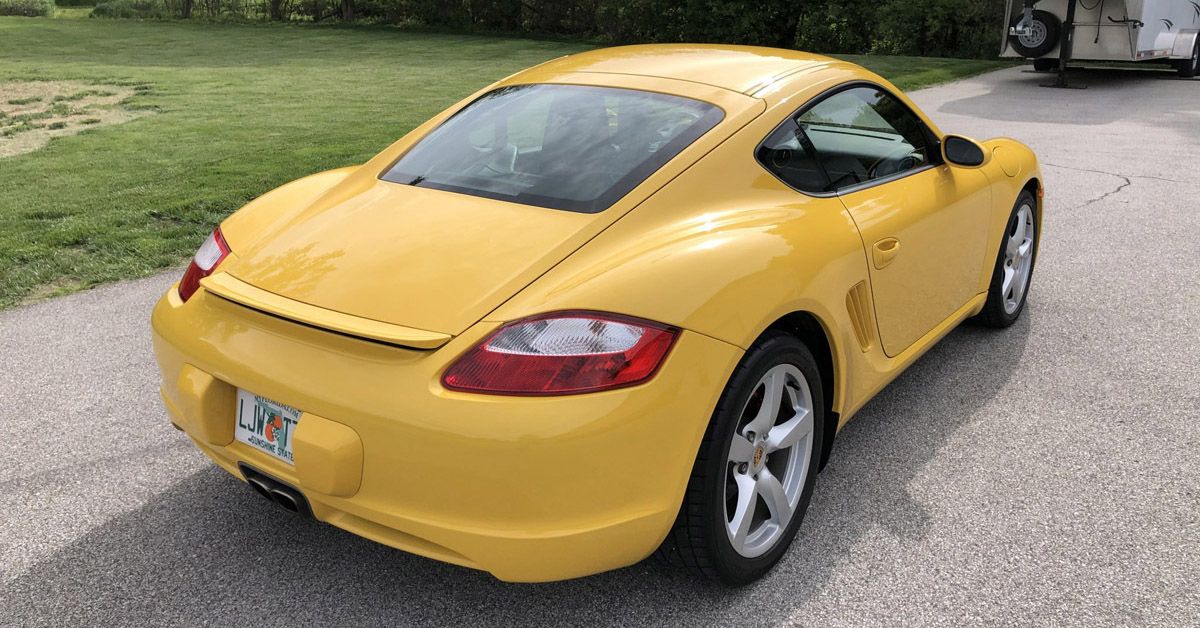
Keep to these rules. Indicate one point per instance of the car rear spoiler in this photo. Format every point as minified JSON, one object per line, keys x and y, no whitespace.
{"x":233,"y":289}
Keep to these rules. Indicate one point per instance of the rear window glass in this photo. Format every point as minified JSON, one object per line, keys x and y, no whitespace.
{"x":571,"y":147}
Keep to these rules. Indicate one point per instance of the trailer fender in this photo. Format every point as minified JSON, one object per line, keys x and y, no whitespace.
{"x":1185,"y":44}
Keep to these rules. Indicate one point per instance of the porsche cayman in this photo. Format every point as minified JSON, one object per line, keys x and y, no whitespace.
{"x":617,"y":304}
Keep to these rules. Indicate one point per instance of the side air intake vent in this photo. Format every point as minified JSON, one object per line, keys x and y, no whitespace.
{"x":858,"y":304}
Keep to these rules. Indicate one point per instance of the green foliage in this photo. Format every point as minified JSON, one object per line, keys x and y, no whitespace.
{"x":966,"y":28}
{"x":962,"y":28}
{"x":130,"y":9}
{"x":27,"y":8}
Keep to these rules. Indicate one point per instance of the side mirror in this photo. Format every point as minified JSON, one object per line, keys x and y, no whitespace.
{"x":962,"y":151}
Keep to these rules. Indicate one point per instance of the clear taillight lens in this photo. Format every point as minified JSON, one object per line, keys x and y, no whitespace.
{"x":563,"y":353}
{"x":203,"y":263}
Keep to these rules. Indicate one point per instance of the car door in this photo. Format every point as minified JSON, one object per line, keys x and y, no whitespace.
{"x":923,"y":223}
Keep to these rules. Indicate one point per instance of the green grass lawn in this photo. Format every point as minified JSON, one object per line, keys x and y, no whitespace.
{"x":239,"y":109}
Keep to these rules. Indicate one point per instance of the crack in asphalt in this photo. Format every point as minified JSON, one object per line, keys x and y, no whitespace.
{"x":1122,"y":176}
{"x":1126,"y":181}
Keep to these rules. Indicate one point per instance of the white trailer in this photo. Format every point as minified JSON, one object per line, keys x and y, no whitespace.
{"x":1055,"y":32}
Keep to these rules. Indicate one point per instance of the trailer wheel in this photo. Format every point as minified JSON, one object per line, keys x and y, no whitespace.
{"x":1042,"y":38}
{"x":1045,"y":65}
{"x":1189,"y":68}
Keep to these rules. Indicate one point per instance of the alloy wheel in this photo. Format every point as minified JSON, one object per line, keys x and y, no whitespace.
{"x":1018,"y":259}
{"x":768,"y":461}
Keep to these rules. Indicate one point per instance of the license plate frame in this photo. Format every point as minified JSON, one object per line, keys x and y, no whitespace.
{"x":266,"y":425}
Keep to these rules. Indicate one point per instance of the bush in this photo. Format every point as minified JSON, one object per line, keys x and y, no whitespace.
{"x":27,"y":8}
{"x":130,"y":9}
{"x":964,"y":28}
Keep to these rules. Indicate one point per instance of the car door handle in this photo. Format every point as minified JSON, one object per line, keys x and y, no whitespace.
{"x":884,"y":252}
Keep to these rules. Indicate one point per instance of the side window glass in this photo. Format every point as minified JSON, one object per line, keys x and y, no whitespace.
{"x":788,"y":154}
{"x":863,"y":134}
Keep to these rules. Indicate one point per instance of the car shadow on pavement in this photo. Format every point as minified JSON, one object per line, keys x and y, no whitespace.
{"x":210,"y":551}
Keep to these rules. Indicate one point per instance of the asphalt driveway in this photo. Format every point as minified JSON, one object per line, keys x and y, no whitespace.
{"x":1048,"y":474}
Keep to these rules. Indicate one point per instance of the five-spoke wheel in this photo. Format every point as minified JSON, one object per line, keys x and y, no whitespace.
{"x":757,"y":465}
{"x":1009,"y":288}
{"x":1018,"y":258}
{"x":768,"y":461}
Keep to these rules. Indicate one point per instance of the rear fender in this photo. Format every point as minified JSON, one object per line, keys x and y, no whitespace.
{"x":280,"y":204}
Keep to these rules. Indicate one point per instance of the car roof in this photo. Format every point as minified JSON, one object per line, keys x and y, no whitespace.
{"x":743,"y":69}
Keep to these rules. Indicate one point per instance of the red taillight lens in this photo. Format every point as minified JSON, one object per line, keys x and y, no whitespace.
{"x":561,"y":354}
{"x":203,"y":263}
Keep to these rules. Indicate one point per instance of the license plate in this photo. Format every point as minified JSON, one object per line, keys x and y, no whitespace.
{"x":266,"y":425}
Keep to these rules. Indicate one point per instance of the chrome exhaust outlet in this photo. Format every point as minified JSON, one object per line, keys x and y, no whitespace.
{"x":276,"y":491}
{"x":259,"y":487}
{"x":285,"y":500}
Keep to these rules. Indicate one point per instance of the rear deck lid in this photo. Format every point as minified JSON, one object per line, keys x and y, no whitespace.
{"x":421,"y":258}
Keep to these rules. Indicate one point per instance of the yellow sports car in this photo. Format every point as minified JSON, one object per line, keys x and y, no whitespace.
{"x":617,"y":303}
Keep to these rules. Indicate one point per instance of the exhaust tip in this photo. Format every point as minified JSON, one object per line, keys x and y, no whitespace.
{"x":260,"y":487}
{"x":276,"y":491}
{"x":285,"y":500}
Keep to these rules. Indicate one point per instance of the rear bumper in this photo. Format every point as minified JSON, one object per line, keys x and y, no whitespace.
{"x":529,"y":489}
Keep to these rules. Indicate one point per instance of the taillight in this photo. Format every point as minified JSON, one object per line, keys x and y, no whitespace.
{"x":203,"y":263}
{"x":563,"y":353}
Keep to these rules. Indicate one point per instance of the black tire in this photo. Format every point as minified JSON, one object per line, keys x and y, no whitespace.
{"x":1045,"y":65}
{"x":1189,"y":68}
{"x":699,"y":540}
{"x":995,"y":313}
{"x":1048,"y":29}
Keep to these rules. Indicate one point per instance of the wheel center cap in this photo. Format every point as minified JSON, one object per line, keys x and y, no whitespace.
{"x":759,"y":454}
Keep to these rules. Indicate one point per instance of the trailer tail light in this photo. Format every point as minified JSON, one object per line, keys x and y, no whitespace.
{"x":206,"y":260}
{"x":562,"y":354}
